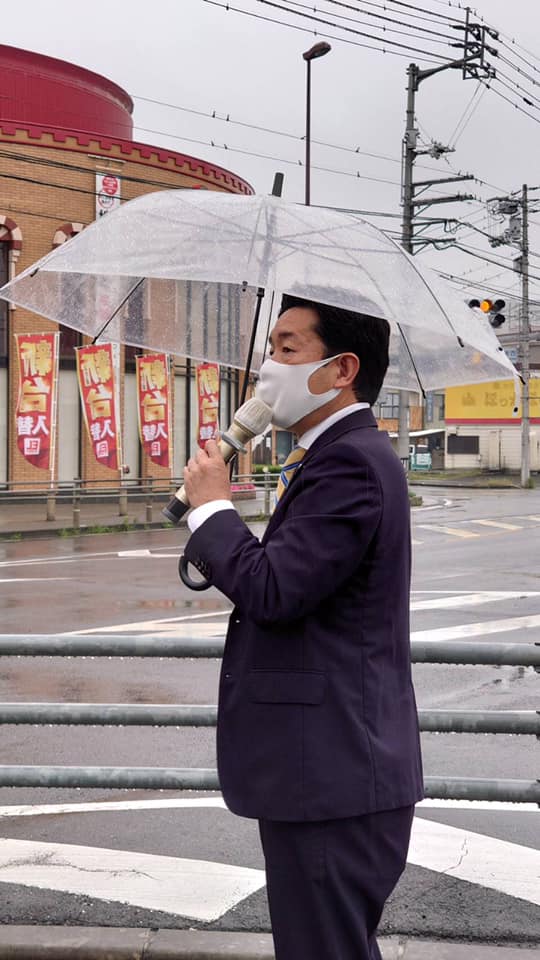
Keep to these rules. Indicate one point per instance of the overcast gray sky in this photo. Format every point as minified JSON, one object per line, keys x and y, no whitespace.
{"x":199,"y":56}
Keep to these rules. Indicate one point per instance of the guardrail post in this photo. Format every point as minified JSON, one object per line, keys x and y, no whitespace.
{"x":76,"y":503}
{"x":122,"y":501}
{"x":51,"y":506}
{"x":267,"y":492}
{"x":149,"y":504}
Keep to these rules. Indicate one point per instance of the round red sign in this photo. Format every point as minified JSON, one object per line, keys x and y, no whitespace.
{"x":110,"y":185}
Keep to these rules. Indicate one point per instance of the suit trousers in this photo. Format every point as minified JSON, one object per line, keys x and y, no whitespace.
{"x":328,"y":881}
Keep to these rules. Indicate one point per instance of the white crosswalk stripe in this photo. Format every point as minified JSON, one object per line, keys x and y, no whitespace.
{"x":497,"y":523}
{"x":451,"y":531}
{"x":199,"y":889}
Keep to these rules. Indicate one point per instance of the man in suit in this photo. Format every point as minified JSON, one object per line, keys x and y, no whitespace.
{"x":317,"y":725}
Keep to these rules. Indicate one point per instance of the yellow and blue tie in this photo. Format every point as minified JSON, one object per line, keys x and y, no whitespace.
{"x":289,"y":469}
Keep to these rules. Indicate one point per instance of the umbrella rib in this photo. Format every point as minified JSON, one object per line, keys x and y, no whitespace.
{"x":404,"y":338}
{"x":118,"y":308}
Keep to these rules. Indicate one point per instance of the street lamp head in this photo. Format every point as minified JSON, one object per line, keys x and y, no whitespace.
{"x":319,"y":50}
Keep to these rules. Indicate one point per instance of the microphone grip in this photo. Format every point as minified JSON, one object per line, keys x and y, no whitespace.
{"x":176,"y":507}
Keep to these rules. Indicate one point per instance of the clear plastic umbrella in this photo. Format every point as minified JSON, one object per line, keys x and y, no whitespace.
{"x":179,"y":271}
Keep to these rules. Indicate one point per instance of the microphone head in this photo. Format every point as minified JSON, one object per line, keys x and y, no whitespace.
{"x":253,"y":416}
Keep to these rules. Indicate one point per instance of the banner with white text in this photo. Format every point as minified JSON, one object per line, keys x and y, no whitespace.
{"x":154,"y":406}
{"x":95,"y":373}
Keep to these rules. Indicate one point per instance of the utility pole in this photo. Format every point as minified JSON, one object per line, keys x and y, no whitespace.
{"x":525,"y":341}
{"x":517,"y":209}
{"x":472,"y":64}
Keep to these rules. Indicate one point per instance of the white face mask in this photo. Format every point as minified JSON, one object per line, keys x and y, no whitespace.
{"x":284,"y":387}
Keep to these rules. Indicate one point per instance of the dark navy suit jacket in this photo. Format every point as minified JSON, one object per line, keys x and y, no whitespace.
{"x":317,"y":717}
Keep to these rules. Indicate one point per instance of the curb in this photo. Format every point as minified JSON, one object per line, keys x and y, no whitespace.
{"x":53,"y":533}
{"x":117,"y":943}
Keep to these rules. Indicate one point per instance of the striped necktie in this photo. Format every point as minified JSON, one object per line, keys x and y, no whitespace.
{"x":289,"y":469}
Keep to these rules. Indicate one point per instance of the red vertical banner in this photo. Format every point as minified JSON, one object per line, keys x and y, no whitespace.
{"x":208,"y":396}
{"x":35,"y":418}
{"x":154,"y":406}
{"x":95,"y":373}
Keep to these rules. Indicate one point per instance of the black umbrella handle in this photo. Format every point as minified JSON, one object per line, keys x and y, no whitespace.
{"x":183,"y":567}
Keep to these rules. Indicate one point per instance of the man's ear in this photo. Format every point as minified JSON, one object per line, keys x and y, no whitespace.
{"x":349,"y":365}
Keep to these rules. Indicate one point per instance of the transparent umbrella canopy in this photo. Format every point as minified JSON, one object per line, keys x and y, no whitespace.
{"x":179,"y":271}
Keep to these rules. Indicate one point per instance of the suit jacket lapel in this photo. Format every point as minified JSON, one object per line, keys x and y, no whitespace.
{"x":354,"y":421}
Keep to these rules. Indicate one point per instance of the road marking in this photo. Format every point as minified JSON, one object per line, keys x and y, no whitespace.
{"x":110,"y":806}
{"x":213,"y":802}
{"x":31,"y":579}
{"x":473,"y":805}
{"x":204,"y":890}
{"x":497,"y":523}
{"x":66,"y":558}
{"x":417,"y":543}
{"x":499,"y":865}
{"x":147,"y":554}
{"x":470,"y":599}
{"x":451,"y":531}
{"x":531,"y":517}
{"x":465,"y":631}
{"x":166,"y":624}
{"x":199,"y":889}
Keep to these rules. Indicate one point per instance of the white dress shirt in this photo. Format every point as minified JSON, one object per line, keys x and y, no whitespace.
{"x":199,"y":515}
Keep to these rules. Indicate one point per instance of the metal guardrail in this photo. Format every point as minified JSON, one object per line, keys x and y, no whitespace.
{"x":523,"y":722}
{"x":132,"y":491}
{"x":156,"y":645}
{"x":441,"y":721}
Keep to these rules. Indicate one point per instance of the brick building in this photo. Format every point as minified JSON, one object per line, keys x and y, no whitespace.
{"x":62,"y":128}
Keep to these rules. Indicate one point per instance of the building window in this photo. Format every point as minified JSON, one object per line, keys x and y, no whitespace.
{"x":387,"y":407}
{"x":4,"y":307}
{"x":461,"y":444}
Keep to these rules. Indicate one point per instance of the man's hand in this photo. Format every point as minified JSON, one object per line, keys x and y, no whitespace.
{"x":206,"y":476}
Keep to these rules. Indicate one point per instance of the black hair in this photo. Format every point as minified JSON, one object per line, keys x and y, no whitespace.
{"x":345,"y":331}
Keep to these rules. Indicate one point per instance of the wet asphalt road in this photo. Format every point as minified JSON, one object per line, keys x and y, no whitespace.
{"x":99,"y":582}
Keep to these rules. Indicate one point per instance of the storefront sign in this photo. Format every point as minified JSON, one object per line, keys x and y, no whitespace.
{"x":488,"y":402}
{"x":37,"y":357}
{"x":95,"y":372}
{"x":154,"y":406}
{"x":208,"y":397}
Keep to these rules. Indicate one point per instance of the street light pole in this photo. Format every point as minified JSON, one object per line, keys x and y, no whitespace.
{"x":318,"y":50}
{"x":525,"y":342}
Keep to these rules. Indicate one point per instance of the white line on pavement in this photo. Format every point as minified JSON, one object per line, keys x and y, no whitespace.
{"x":471,"y":599}
{"x":180,"y":803}
{"x":465,"y":631}
{"x":109,"y":806}
{"x":147,"y":625}
{"x":204,"y":890}
{"x":497,"y":523}
{"x":148,"y":554}
{"x":451,"y":531}
{"x":199,"y":889}
{"x":497,"y":864}
{"x":66,"y":558}
{"x":31,"y":579}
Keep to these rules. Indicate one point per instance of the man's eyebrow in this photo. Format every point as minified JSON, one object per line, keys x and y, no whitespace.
{"x":282,"y":335}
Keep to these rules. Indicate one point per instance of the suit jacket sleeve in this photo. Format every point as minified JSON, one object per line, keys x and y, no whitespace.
{"x":325,"y":533}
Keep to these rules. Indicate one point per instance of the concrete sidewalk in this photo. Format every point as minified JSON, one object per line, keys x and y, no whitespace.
{"x":29,"y":520}
{"x":109,"y":943}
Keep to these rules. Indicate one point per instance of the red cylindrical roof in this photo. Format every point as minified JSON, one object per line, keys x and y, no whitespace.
{"x":42,"y":90}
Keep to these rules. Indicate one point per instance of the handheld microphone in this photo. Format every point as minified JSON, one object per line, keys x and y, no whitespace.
{"x":249,"y":421}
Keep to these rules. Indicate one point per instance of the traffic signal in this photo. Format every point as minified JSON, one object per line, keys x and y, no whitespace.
{"x":492,"y":308}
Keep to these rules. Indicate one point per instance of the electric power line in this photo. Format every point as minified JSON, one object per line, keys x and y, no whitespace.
{"x":317,"y":33}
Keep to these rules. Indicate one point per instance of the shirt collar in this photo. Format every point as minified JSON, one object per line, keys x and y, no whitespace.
{"x":309,"y":437}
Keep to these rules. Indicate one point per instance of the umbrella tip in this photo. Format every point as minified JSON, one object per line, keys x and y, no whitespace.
{"x":34,"y":272}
